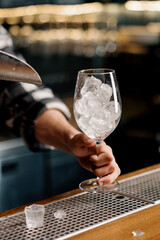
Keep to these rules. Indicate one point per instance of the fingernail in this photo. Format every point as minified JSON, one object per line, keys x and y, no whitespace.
{"x":100,"y":184}
{"x":88,"y":140}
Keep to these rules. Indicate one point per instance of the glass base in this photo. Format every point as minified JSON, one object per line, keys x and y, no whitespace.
{"x":90,"y":185}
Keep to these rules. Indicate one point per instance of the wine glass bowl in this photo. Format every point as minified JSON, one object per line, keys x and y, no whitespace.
{"x":97,"y":110}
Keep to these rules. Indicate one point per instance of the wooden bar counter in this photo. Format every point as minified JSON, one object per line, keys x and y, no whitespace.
{"x":147,"y":220}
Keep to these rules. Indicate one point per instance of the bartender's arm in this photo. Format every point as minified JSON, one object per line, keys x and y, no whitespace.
{"x":52,"y":128}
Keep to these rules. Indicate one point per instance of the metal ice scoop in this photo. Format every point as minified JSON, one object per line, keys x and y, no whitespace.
{"x":14,"y":69}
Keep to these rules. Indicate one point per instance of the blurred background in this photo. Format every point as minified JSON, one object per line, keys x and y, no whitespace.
{"x":58,"y":38}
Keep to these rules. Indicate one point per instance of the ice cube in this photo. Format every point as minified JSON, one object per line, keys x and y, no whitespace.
{"x":34,"y":215}
{"x":105,"y":93}
{"x":102,"y":123}
{"x":138,"y":233}
{"x":60,"y":214}
{"x":87,"y":104}
{"x":83,"y":123}
{"x":114,"y":108}
{"x":80,"y":106}
{"x":91,"y":84}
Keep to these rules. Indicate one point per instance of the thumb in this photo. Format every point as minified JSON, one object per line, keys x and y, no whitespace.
{"x":82,"y":145}
{"x":82,"y":139}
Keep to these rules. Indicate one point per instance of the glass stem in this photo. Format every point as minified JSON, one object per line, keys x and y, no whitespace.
{"x":97,"y":143}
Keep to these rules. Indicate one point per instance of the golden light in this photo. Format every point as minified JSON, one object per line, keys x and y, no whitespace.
{"x":28,"y":19}
{"x":14,"y":30}
{"x":12,"y":20}
{"x":43,"y":18}
{"x":143,"y":5}
{"x":26,"y":30}
{"x":30,"y":10}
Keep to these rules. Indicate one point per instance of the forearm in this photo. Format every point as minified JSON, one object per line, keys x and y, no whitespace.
{"x":52,"y":128}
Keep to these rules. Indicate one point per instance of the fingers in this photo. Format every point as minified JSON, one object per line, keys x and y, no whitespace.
{"x":104,"y":165}
{"x":104,"y":170}
{"x":103,"y":148}
{"x":102,"y":159}
{"x":82,"y":146}
{"x":108,"y":179}
{"x":97,"y":158}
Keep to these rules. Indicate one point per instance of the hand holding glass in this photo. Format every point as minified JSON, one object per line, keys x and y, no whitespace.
{"x":97,"y":110}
